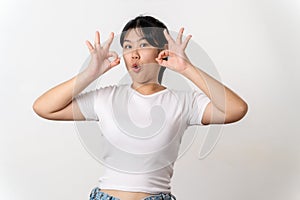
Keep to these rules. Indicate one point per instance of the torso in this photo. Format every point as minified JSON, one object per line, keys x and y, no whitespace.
{"x":113,"y":179}
{"x":125,"y":195}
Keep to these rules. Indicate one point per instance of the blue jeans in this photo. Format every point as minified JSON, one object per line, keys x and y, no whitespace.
{"x":96,"y":194}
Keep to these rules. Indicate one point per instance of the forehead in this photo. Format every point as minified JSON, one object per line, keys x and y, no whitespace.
{"x":134,"y":35}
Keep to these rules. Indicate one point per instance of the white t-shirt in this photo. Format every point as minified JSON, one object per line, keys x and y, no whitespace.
{"x":142,"y":133}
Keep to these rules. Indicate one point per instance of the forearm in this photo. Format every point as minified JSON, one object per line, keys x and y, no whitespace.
{"x":221,"y":96}
{"x":61,"y":95}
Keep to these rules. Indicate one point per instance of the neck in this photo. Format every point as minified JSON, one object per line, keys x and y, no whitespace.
{"x":147,"y":88}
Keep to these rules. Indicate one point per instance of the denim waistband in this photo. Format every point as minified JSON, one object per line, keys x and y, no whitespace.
{"x":97,"y":194}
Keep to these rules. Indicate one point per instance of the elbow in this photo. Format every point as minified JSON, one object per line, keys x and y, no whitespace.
{"x":37,"y":108}
{"x":243,"y":109}
{"x":237,"y":113}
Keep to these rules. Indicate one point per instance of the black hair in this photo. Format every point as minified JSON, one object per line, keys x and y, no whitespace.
{"x":152,"y":29}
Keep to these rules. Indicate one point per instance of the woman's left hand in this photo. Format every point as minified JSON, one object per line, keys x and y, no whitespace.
{"x":175,"y":54}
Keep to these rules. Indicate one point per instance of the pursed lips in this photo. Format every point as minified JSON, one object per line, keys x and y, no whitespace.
{"x":135,"y":67}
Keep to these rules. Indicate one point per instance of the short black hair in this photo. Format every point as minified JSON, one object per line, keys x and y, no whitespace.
{"x":152,"y":29}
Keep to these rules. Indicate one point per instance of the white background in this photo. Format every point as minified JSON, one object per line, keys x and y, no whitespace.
{"x":254,"y":45}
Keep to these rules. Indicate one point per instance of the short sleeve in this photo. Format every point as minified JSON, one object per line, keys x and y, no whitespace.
{"x":89,"y":101}
{"x":197,"y":104}
{"x":86,"y":104}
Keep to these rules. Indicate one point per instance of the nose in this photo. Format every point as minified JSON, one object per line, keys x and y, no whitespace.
{"x":135,"y":54}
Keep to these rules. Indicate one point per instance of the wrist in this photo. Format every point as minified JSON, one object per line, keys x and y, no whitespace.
{"x":88,"y":75}
{"x":190,"y":69}
{"x":92,"y":73}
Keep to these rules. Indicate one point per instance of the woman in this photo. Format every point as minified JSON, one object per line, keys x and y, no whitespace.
{"x":148,"y":49}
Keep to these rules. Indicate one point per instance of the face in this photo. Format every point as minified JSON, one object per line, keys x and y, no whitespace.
{"x":139,"y":57}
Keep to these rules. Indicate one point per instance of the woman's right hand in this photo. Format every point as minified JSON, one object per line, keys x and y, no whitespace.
{"x":100,"y":55}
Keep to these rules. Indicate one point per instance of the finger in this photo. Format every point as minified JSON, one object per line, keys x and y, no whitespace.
{"x":89,"y":45}
{"x":115,"y":62}
{"x":109,"y":41}
{"x":162,"y":62}
{"x":161,"y":58}
{"x":97,"y":38}
{"x":168,"y":37}
{"x":179,"y":36}
{"x":186,"y":41}
{"x":113,"y":54}
{"x":163,"y":54}
{"x":159,"y":61}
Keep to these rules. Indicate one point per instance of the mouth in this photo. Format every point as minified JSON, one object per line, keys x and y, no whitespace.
{"x":136,"y":68}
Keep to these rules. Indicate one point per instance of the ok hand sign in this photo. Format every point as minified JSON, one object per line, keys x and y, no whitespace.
{"x":177,"y":59}
{"x":100,"y":55}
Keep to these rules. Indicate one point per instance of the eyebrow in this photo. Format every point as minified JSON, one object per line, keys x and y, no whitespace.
{"x":143,"y":38}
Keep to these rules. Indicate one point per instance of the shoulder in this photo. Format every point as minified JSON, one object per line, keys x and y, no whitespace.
{"x":185,"y":93}
{"x":190,"y":96}
{"x":109,"y":87}
{"x":112,"y":89}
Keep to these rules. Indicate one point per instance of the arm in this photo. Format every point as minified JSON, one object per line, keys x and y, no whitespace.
{"x":58,"y":102}
{"x":225,"y":106}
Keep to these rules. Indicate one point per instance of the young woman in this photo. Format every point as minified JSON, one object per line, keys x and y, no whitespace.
{"x":148,"y":49}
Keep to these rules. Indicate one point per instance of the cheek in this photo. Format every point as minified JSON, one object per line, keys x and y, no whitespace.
{"x":126,"y":58}
{"x":150,"y":55}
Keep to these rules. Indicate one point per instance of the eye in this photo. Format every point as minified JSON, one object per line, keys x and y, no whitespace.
{"x":143,"y":45}
{"x":127,"y":46}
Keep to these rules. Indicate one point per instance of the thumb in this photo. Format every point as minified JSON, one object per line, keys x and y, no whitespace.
{"x":163,"y":54}
{"x":162,"y":57}
{"x":115,"y":62}
{"x":116,"y":59}
{"x":162,"y":62}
